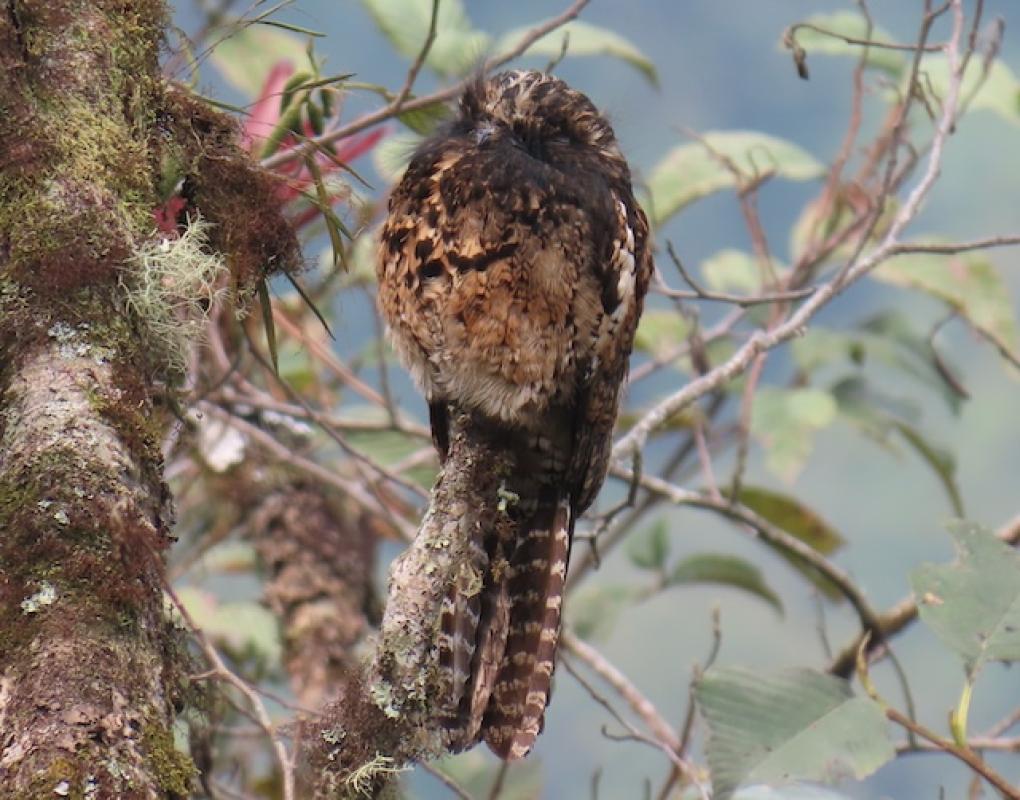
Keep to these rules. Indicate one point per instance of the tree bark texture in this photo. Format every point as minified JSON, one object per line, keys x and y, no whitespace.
{"x":90,"y":665}
{"x":400,"y":711}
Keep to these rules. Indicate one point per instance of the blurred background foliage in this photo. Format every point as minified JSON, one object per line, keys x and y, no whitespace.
{"x":856,"y":420}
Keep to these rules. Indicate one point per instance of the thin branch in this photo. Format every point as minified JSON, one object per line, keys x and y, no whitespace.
{"x":285,"y":455}
{"x":964,"y":754}
{"x":852,"y":272}
{"x":391,"y":110}
{"x":775,"y":536}
{"x":638,"y":703}
{"x":497,"y":784}
{"x":952,"y":248}
{"x":220,"y":671}
{"x":633,"y":733}
{"x":419,"y":62}
{"x":445,"y":779}
{"x":701,"y":293}
{"x":901,"y":616}
{"x":791,"y":33}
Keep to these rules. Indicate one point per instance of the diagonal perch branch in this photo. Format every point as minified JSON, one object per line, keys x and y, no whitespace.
{"x":465,"y":502}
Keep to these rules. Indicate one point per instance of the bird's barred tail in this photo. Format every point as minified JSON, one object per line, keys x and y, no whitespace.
{"x":536,"y":574}
{"x":459,"y":622}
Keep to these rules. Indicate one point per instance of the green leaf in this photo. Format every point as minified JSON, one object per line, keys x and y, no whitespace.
{"x":888,"y":338}
{"x":228,"y":557}
{"x":245,"y":629}
{"x":245,"y":57}
{"x":793,"y":792}
{"x":879,"y":417}
{"x":785,"y":421}
{"x":1000,"y":92}
{"x":694,"y":170}
{"x":795,"y":725}
{"x":801,"y":522}
{"x":732,"y":271}
{"x":584,"y":39}
{"x":853,"y":26}
{"x":660,"y":331}
{"x":650,"y":550}
{"x":793,"y":517}
{"x":424,"y":121}
{"x":725,"y":570}
{"x":973,"y":605}
{"x":970,"y":284}
{"x":593,"y":611}
{"x":939,"y":459}
{"x":405,"y":23}
{"x":392,"y":155}
{"x":266,"y":306}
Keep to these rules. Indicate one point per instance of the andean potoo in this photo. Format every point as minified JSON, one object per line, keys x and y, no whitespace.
{"x":512,"y":271}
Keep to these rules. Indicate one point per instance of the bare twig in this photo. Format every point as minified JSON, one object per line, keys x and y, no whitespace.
{"x":965,"y":754}
{"x":777,"y":537}
{"x":306,"y":465}
{"x":854,"y":269}
{"x":419,"y":62}
{"x":392,"y":109}
{"x":901,"y":616}
{"x":446,"y":780}
{"x":221,"y":672}
{"x":638,"y":703}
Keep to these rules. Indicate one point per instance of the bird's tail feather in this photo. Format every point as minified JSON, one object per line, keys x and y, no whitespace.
{"x":534,"y":583}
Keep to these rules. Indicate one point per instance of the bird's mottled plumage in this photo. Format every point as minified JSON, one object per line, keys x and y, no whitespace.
{"x":512,"y":272}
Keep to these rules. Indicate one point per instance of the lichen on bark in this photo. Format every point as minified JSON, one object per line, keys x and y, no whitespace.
{"x":91,"y":665}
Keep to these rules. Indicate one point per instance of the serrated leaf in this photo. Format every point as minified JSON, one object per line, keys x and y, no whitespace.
{"x":650,"y":549}
{"x":785,"y":421}
{"x":246,"y":55}
{"x":584,"y":39}
{"x":970,"y":284}
{"x":660,"y":331}
{"x":795,"y":725}
{"x":724,"y":570}
{"x":405,"y":23}
{"x":593,"y":611}
{"x":853,"y":26}
{"x":802,"y":523}
{"x":690,"y":171}
{"x":973,"y":604}
{"x":1000,"y":92}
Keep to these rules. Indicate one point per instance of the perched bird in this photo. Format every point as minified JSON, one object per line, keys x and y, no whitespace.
{"x":512,"y":271}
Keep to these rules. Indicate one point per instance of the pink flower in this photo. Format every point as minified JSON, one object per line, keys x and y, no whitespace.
{"x":298,"y":179}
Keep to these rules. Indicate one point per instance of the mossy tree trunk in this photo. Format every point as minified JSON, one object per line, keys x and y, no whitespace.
{"x":90,"y":667}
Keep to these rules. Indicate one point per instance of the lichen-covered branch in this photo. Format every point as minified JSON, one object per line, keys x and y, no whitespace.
{"x":395,"y":715}
{"x":319,"y":559}
{"x":94,"y":314}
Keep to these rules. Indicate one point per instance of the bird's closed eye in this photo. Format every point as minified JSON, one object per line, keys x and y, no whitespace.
{"x":430,"y":270}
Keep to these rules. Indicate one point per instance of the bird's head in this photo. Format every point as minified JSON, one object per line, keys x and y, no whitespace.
{"x":541,"y":114}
